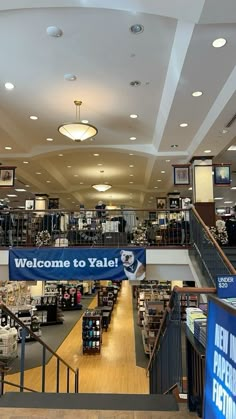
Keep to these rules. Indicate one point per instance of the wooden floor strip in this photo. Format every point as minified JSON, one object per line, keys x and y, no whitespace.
{"x":112,"y":371}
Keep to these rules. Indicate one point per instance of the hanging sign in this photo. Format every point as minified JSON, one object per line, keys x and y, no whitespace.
{"x":220,"y":374}
{"x":74,"y":263}
{"x":226,"y":286}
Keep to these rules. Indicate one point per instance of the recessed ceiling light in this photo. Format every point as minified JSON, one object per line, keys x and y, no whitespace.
{"x":131,"y":175}
{"x":9,"y":86}
{"x":219,"y":42}
{"x":81,"y":183}
{"x":12,"y":196}
{"x":54,"y":31}
{"x":131,"y":165}
{"x":163,"y":171}
{"x":96,"y":155}
{"x":131,"y":154}
{"x":183,"y":125}
{"x":136,"y":29}
{"x":27,"y":186}
{"x":131,"y":182}
{"x":155,"y":187}
{"x":25,"y":162}
{"x":33,"y":117}
{"x":76,"y":175}
{"x":135,"y":83}
{"x":49,"y":139}
{"x":132,"y":138}
{"x":60,"y":155}
{"x":174,"y":146}
{"x":69,"y":197}
{"x":158,"y":180}
{"x":8,"y":148}
{"x":38,"y":173}
{"x":207,"y":151}
{"x":48,"y":181}
{"x":99,"y":164}
{"x":233,"y":187}
{"x":232,"y":148}
{"x":85,"y":121}
{"x":70,"y":77}
{"x":69,"y":167}
{"x":228,"y":202}
{"x":167,"y":161}
{"x":20,"y":190}
{"x":218,"y":199}
{"x":133,"y":116}
{"x":224,"y":131}
{"x":198,"y":93}
{"x":190,"y":189}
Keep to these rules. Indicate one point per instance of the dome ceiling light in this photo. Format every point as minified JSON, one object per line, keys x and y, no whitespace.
{"x":78,"y":130}
{"x":102,"y":187}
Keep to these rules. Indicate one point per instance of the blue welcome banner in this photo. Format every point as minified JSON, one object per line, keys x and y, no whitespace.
{"x":76,"y":263}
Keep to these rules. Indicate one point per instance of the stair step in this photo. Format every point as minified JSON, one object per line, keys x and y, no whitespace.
{"x":137,"y":402}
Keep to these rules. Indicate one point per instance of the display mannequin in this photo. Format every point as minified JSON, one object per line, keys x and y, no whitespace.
{"x":101,"y":209}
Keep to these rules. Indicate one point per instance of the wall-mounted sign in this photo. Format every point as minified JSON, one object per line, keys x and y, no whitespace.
{"x":226,"y":286}
{"x":7,"y":176}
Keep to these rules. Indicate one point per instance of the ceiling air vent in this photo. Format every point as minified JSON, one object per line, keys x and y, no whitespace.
{"x":231,"y":121}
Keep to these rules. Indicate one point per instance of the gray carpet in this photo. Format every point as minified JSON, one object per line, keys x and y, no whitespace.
{"x":141,"y":358}
{"x":53,"y":336}
{"x":130,"y":402}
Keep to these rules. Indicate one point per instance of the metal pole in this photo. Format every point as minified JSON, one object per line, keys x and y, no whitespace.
{"x":22,"y":359}
{"x":43,"y":369}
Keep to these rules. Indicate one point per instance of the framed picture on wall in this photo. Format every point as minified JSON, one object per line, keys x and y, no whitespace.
{"x":181,"y":175}
{"x":222,"y":174}
{"x":7,"y":176}
{"x":29,"y":204}
{"x":161,"y":203}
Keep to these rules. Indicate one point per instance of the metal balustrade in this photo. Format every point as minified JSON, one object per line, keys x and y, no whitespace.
{"x":209,"y":254}
{"x":165,"y":367}
{"x":69,"y":374}
{"x":116,"y":228}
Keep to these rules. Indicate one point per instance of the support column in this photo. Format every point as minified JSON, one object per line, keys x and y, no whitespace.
{"x":203,"y":193}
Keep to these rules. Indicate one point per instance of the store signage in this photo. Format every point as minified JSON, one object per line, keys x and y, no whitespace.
{"x":220,"y":374}
{"x":43,"y":264}
{"x":226,"y":286}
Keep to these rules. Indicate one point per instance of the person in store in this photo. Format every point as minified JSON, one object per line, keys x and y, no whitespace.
{"x":101,"y":209}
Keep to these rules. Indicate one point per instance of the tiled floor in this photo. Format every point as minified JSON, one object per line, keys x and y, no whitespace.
{"x":8,"y":413}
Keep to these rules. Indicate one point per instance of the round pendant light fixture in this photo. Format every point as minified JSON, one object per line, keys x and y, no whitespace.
{"x":101,"y":187}
{"x":78,"y":130}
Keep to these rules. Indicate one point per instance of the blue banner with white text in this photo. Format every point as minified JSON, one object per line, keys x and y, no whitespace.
{"x":76,"y":263}
{"x":220,"y":373}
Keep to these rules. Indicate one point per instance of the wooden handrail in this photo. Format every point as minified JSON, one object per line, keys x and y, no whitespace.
{"x":20,"y":323}
{"x":169,"y":308}
{"x":193,"y":290}
{"x":213,"y":240}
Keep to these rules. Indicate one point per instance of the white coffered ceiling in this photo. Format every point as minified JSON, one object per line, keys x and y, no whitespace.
{"x":171,"y":58}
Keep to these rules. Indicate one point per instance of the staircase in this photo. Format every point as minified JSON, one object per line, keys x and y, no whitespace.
{"x":230,"y":252}
{"x":97,"y":406}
